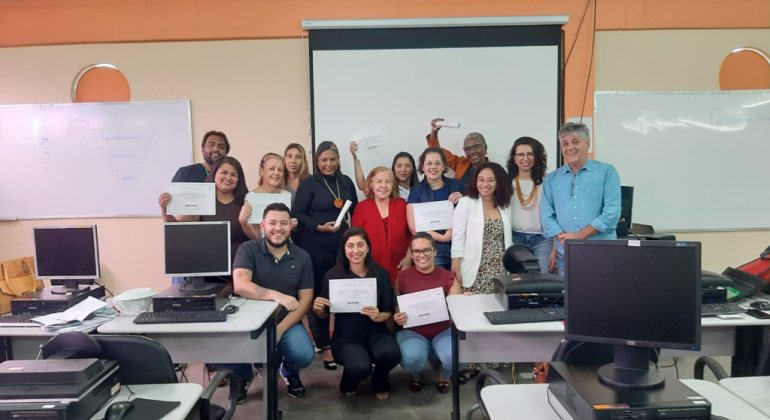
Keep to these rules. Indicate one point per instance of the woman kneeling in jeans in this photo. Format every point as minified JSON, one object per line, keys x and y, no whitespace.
{"x":419,"y":343}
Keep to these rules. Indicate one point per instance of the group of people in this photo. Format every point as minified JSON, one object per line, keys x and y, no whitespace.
{"x":291,"y":256}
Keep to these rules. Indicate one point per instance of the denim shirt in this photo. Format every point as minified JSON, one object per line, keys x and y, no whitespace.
{"x":573,"y":201}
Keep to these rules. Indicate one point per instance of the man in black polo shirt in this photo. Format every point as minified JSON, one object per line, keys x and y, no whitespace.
{"x":213,"y":147}
{"x":275,"y":269}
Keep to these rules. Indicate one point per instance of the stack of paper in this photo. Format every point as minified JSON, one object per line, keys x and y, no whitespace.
{"x":74,"y":315}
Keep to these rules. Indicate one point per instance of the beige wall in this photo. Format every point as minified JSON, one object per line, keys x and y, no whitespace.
{"x":682,"y":60}
{"x":254,"y":91}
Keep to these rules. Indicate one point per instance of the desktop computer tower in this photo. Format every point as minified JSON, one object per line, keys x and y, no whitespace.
{"x":172,"y":299}
{"x":577,"y":390}
{"x":43,"y":302}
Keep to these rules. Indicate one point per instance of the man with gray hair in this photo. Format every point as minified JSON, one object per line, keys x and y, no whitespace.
{"x":474,"y":146}
{"x":581,"y":199}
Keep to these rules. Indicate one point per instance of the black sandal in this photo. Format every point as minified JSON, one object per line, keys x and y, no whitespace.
{"x":442,"y":387}
{"x":463,"y":378}
{"x":415,"y":385}
{"x":329,"y":365}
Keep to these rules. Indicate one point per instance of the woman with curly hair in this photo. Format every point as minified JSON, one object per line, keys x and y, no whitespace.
{"x":526,"y":169}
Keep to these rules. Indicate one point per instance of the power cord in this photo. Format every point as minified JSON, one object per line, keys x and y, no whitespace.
{"x":131,"y":393}
{"x":674,"y":365}
{"x":109,"y":292}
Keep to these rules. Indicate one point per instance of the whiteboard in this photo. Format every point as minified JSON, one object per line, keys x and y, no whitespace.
{"x":697,"y":160}
{"x":91,"y":159}
{"x":485,"y":89}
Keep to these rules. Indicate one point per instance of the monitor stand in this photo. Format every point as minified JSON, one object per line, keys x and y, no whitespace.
{"x":70,"y":286}
{"x":631,"y":370}
{"x":196,"y":284}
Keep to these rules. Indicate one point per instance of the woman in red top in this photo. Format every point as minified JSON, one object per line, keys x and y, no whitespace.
{"x":383,"y":216}
{"x":420,"y":342}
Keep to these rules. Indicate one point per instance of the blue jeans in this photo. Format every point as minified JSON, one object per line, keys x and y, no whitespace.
{"x":443,"y":262}
{"x":416,"y":349}
{"x":295,"y":349}
{"x":539,"y":244}
{"x":560,"y":263}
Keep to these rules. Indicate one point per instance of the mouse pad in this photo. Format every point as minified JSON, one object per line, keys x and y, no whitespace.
{"x":150,"y":409}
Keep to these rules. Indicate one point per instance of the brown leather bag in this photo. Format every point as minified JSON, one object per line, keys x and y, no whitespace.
{"x":17,"y":276}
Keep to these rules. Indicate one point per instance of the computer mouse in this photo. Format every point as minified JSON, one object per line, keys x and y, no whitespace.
{"x":118,"y":410}
{"x":760,"y":305}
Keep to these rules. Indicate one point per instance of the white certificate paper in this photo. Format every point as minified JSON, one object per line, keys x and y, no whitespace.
{"x":372,"y":141}
{"x":350,"y":295}
{"x":259,"y":201}
{"x":192,"y":198}
{"x":436,"y":215}
{"x":422,"y":308}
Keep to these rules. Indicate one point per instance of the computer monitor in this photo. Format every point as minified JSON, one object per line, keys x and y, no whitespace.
{"x":68,"y":256}
{"x":626,"y":209}
{"x":635,"y":295}
{"x":196,"y":250}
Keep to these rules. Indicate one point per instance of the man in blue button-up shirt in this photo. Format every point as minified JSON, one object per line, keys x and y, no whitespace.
{"x":582,"y":198}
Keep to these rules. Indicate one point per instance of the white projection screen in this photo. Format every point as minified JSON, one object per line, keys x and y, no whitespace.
{"x":503,"y":82}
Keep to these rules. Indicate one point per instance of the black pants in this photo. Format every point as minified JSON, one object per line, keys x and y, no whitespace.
{"x":357,"y":356}
{"x":323,"y":259}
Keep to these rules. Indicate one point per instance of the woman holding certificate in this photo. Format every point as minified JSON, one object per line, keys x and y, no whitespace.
{"x":295,"y":160}
{"x":317,"y":205}
{"x":434,"y":187}
{"x":361,"y":338}
{"x":526,"y":168}
{"x":230,"y":186}
{"x":419,"y":342}
{"x":383,"y":216}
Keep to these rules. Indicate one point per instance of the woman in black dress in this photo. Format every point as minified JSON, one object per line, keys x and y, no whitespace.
{"x":361,"y":339}
{"x":317,"y":203}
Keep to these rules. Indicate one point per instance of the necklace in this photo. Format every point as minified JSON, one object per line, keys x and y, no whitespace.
{"x":526,"y":203}
{"x":338,"y":196}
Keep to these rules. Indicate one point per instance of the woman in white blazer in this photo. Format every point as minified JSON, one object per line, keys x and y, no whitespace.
{"x":481,"y":230}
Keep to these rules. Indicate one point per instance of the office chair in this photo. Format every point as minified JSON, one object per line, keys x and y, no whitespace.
{"x":142,"y":361}
{"x":762,"y":369}
{"x":481,"y":380}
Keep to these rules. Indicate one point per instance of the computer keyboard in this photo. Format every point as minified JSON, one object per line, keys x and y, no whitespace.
{"x":22,"y":320}
{"x":714,"y":309}
{"x":524,"y":315}
{"x":180,"y":317}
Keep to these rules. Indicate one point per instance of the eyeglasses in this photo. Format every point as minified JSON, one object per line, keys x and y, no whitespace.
{"x":476,"y":146}
{"x":525,"y":155}
{"x":417,"y":252}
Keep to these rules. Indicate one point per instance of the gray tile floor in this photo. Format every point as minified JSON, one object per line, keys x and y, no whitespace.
{"x":324,"y":401}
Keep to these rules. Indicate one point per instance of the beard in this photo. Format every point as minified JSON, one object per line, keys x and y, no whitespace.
{"x":211,"y":157}
{"x":276,"y":245}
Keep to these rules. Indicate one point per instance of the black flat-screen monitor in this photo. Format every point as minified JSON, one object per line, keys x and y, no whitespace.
{"x":626,"y":210}
{"x":196,"y":250}
{"x":635,"y":295}
{"x":68,"y":256}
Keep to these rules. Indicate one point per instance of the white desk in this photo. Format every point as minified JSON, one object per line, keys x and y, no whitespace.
{"x":531,"y":402}
{"x":238,"y":340}
{"x":22,"y":342}
{"x":518,"y":402}
{"x":475,"y":339}
{"x":755,"y":391}
{"x":186,"y":394}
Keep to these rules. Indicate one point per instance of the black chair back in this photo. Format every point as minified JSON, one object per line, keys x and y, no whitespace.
{"x":141,"y":360}
{"x":763,"y":364}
